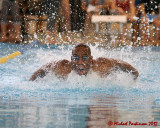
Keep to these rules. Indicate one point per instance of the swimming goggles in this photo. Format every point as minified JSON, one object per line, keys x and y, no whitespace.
{"x":76,"y":58}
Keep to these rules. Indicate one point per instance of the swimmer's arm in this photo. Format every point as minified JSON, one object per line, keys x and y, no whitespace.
{"x":40,"y":73}
{"x":126,"y":67}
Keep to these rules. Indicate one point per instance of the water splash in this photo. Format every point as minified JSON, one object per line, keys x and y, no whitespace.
{"x":15,"y":73}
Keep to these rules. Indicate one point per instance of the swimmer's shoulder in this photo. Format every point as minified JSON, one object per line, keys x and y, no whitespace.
{"x":60,"y":63}
{"x":49,"y":65}
{"x":62,"y":67}
{"x":102,"y":61}
{"x":63,"y":63}
{"x":103,"y":65}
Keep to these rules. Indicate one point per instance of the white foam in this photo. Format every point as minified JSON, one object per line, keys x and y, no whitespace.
{"x":17,"y":72}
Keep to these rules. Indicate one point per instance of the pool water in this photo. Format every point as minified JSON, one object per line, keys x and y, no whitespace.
{"x":79,"y":102}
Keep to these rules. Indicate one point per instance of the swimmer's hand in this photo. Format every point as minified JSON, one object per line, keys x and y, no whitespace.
{"x":135,"y":73}
{"x":127,"y":68}
{"x":38,"y":74}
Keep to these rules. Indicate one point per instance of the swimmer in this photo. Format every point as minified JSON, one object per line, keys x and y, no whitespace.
{"x":82,"y":62}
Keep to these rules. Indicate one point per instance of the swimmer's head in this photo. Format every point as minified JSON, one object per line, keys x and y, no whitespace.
{"x":81,"y":59}
{"x":84,"y":46}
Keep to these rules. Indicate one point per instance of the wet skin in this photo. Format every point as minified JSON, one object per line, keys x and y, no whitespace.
{"x":82,"y":62}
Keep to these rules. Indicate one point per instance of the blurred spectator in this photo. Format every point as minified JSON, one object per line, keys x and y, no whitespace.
{"x":138,"y":12}
{"x":13,"y":6}
{"x":34,"y":16}
{"x":156,"y":22}
{"x":67,"y":14}
{"x":77,"y":15}
{"x":52,"y":7}
{"x":1,"y":5}
{"x":150,"y":12}
{"x":91,"y":7}
{"x":120,"y":7}
{"x":125,"y":7}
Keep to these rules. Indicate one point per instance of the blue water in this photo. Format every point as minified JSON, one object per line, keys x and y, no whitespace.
{"x":78,"y":102}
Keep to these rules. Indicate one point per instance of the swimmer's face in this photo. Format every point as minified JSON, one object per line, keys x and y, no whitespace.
{"x":81,"y":60}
